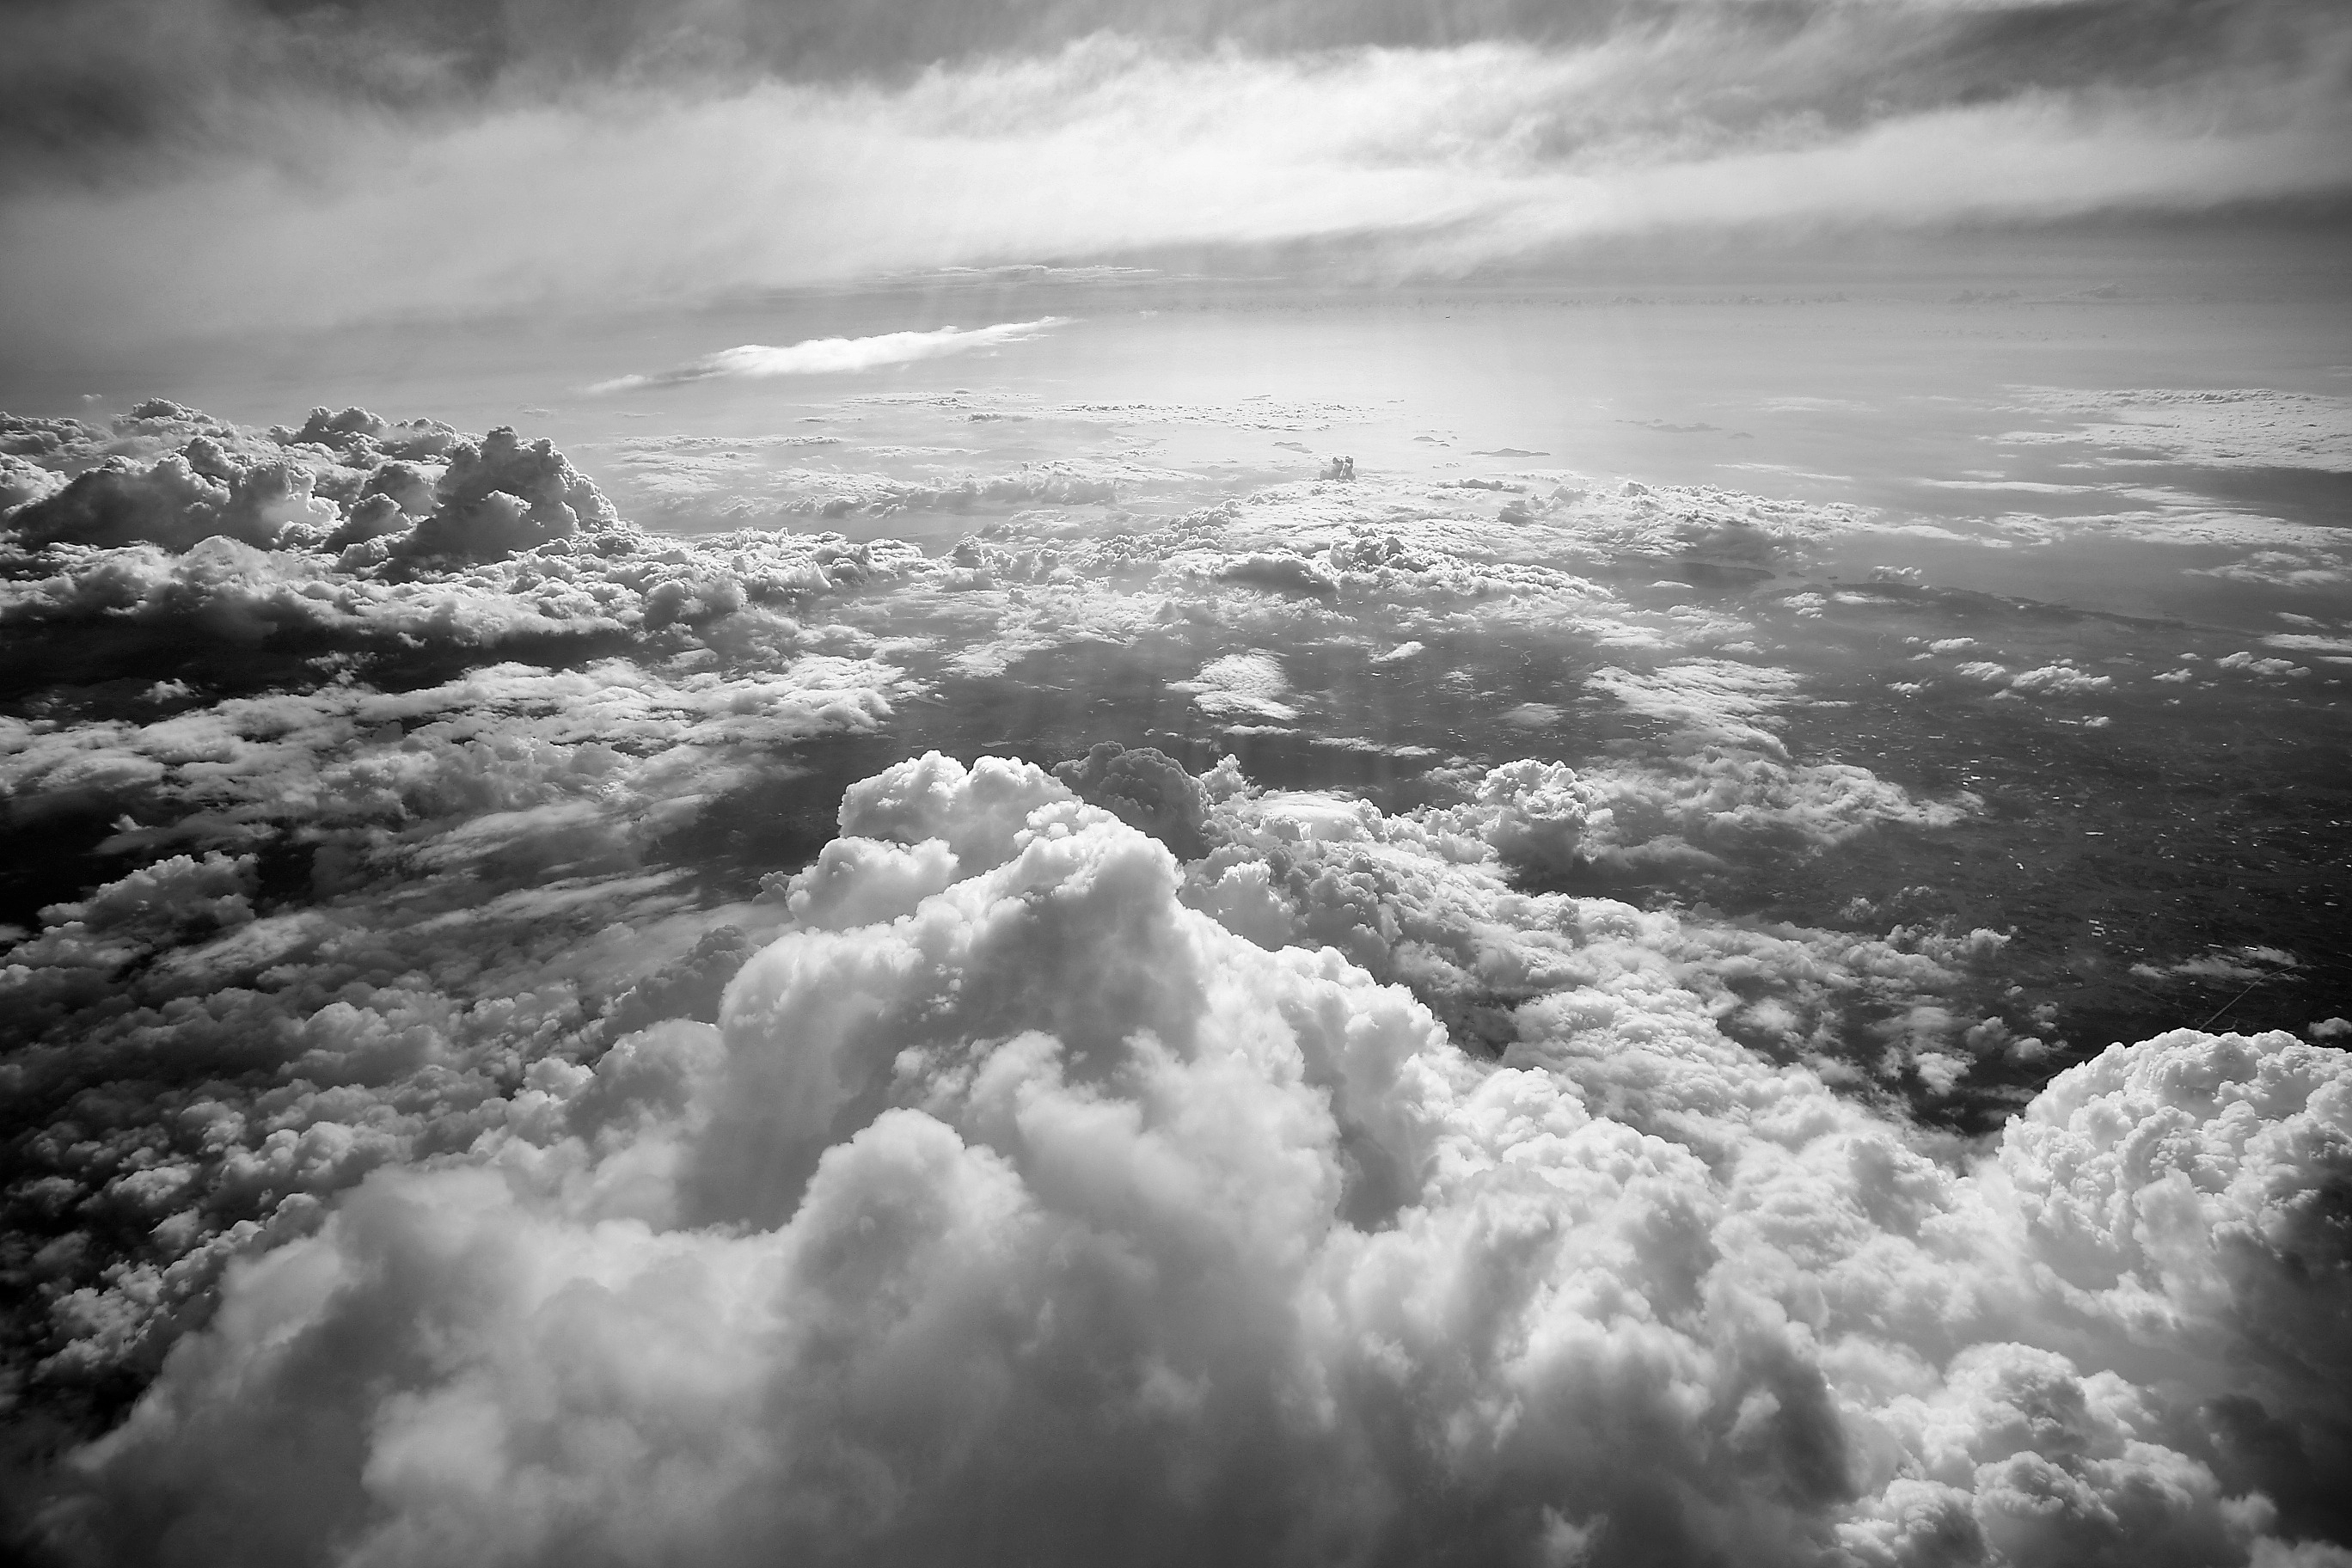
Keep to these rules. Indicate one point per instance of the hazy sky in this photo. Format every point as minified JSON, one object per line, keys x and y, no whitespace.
{"x":222,"y":165}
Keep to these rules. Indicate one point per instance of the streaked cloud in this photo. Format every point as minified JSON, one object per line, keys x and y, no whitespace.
{"x":833,"y":356}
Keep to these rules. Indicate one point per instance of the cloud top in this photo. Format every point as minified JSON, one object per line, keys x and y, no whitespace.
{"x":833,"y":356}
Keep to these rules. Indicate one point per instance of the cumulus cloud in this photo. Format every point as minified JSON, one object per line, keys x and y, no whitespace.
{"x":180,"y":499}
{"x":1435,"y":899}
{"x":834,"y":356}
{"x":1040,"y":1183}
{"x":1241,"y":684}
{"x":2060,"y":680}
{"x":460,"y":1118}
{"x":501,"y":497}
{"x":336,"y":892}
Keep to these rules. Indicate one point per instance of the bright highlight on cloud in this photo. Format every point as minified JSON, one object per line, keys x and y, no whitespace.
{"x":834,"y":356}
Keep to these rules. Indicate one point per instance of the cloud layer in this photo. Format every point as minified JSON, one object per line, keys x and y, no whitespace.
{"x":463,"y":1108}
{"x":721,"y":149}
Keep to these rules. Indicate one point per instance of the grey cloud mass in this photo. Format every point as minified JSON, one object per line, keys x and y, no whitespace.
{"x":302,"y":154}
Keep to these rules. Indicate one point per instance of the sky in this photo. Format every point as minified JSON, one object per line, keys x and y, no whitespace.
{"x":1084,"y":782}
{"x":321,"y":163}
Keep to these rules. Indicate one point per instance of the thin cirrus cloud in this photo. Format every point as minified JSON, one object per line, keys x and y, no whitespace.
{"x":832,"y":356}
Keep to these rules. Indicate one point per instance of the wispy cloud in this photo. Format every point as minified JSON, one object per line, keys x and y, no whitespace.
{"x":833,"y":356}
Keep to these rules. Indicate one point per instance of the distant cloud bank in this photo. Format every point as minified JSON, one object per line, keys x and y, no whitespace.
{"x":833,"y":356}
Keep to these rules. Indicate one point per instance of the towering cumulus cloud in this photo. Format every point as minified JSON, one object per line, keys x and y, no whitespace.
{"x":1015,"y":1210}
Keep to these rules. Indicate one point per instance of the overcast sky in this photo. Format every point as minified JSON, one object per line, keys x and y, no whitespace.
{"x":220,"y":163}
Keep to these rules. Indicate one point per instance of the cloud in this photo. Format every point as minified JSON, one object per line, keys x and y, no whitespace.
{"x":306,"y":199}
{"x":1241,"y":684}
{"x":2236,"y":427}
{"x":145,"y":70}
{"x":2303,"y":642}
{"x":1704,"y":699}
{"x":499,"y":497}
{"x":834,"y":356}
{"x":493,"y":1115}
{"x":179,"y":500}
{"x":1431,"y":899}
{"x":1041,"y":1183}
{"x":699,"y":492}
{"x":2254,"y":664}
{"x":484,"y":873}
{"x":2249,"y":963}
{"x":2286,"y":569}
{"x":2060,"y":680}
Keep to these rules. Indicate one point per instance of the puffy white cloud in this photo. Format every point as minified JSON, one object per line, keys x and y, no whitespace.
{"x":502,"y":496}
{"x":2254,"y":664}
{"x":1241,"y":684}
{"x":357,"y":432}
{"x":23,"y":480}
{"x":2060,"y":680}
{"x":504,"y":542}
{"x":1427,"y":898}
{"x":181,"y":498}
{"x":1040,"y":1184}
